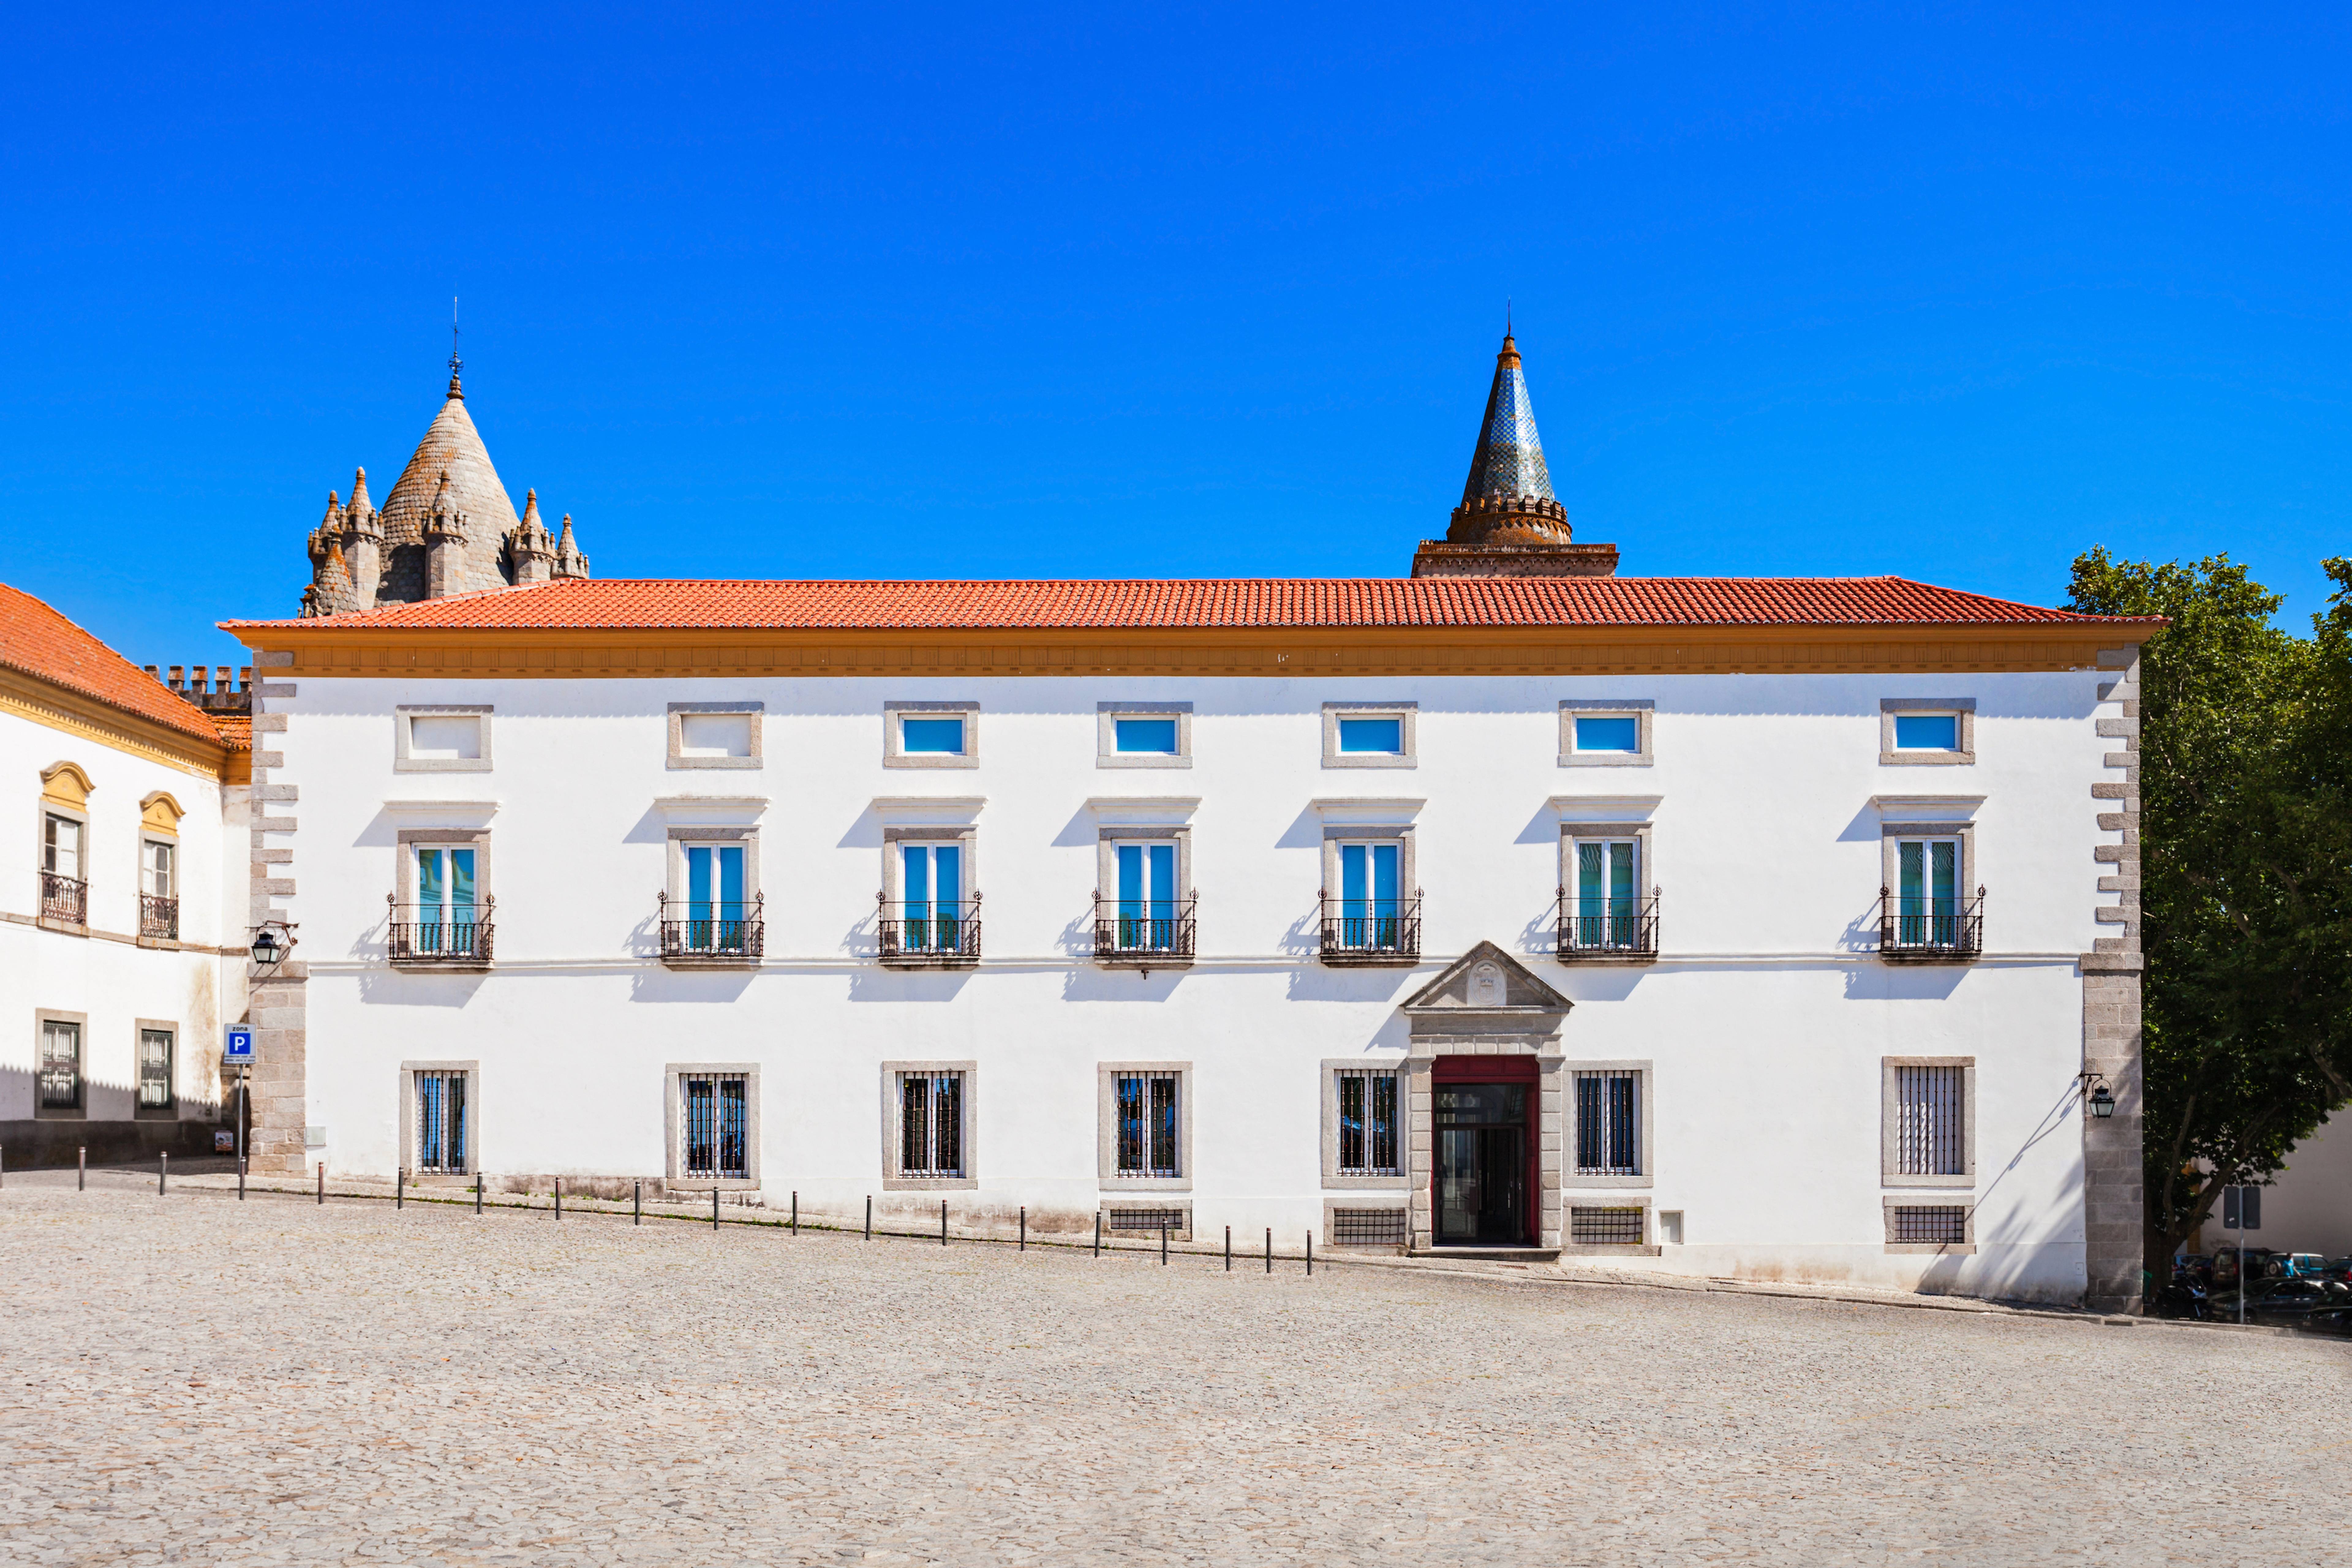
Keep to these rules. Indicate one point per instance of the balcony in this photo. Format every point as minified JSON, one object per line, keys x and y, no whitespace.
{"x":1371,"y":933}
{"x":932,"y":934}
{"x":159,"y":918}
{"x":65,"y":901}
{"x":441,"y":936}
{"x":1145,"y":937}
{"x":1925,"y":930}
{"x":712,"y":936}
{"x":1623,"y":932}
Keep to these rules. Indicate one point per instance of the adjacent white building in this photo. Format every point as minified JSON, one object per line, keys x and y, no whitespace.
{"x":1774,"y":928}
{"x":122,"y":907}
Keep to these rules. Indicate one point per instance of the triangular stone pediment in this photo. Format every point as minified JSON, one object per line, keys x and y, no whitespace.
{"x":1485,"y":981}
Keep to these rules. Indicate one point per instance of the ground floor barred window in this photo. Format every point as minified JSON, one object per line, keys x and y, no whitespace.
{"x":442,"y":1133}
{"x":1367,"y":1122}
{"x":1939,"y":1224}
{"x":931,"y":1124}
{"x":1148,"y":1112}
{"x":717,"y":1126}
{"x":1605,"y":1227}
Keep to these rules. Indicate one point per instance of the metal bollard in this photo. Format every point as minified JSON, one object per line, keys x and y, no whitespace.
{"x":714,"y":1209}
{"x":1163,"y":1246}
{"x":869,"y":1217}
{"x":3,"y":1166}
{"x":81,"y":1168}
{"x":477,"y":1192}
{"x":943,"y":1222}
{"x":637,"y":1202}
{"x":1097,"y":1232}
{"x":1310,"y":1254}
{"x":1229,"y":1249}
{"x":1024,"y":1228}
{"x":322,"y":1184}
{"x":796,"y":1211}
{"x":1269,"y":1248}
{"x":400,"y":1188}
{"x":240,"y":1178}
{"x":559,"y":1198}
{"x":164,"y":1173}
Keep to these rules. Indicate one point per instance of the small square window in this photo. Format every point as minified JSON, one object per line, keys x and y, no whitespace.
{"x":1369,"y":735}
{"x":1605,"y":732}
{"x":441,"y":739}
{"x":714,"y":735}
{"x":930,"y":735}
{"x":1155,"y":736}
{"x":1926,"y":732}
{"x":1608,"y":732}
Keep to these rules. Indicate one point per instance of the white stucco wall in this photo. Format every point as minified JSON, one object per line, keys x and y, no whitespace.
{"x":106,"y":974}
{"x":2308,"y":1208}
{"x":1766,"y":1020}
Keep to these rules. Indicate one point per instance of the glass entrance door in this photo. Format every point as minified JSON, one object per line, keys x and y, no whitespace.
{"x":1482,"y":1163}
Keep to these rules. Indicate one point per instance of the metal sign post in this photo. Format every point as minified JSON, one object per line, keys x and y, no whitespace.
{"x":2241,"y":1210}
{"x":236,"y":1050}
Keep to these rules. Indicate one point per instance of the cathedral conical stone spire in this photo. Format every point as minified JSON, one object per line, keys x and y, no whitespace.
{"x":1509,"y":523}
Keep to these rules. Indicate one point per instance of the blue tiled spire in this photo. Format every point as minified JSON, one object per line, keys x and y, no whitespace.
{"x":1509,"y":461}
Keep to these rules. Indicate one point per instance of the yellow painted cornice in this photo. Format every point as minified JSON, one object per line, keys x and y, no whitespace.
{"x":85,"y":717}
{"x":288,"y":653}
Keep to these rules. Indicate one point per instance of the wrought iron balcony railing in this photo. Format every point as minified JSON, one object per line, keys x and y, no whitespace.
{"x":1371,"y":931}
{"x":447,"y":935}
{"x":1925,"y":930}
{"x":929,"y":933}
{"x":65,"y":899}
{"x":713,"y":934}
{"x":159,"y":918}
{"x":1146,"y":935}
{"x":1618,"y":931}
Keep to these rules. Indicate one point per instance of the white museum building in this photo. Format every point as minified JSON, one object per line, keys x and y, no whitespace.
{"x":1775,"y":928}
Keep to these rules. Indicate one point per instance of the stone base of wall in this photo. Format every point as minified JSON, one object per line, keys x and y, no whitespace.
{"x":52,"y":1143}
{"x":1438,"y":558}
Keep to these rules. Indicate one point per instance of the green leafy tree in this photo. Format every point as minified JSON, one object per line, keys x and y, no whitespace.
{"x":2246,"y":868}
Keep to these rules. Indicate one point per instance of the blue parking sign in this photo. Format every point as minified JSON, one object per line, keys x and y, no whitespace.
{"x":236,"y":1045}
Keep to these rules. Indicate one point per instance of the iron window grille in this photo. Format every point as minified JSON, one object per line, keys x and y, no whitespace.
{"x":1605,"y":1227}
{"x":60,"y":1066}
{"x":159,"y":918}
{"x":700,"y":930}
{"x":716,"y":1126}
{"x":1148,"y":1110}
{"x":1155,"y":1219}
{"x":933,"y":931}
{"x":441,"y":932}
{"x":441,"y":1123}
{"x":65,"y":899}
{"x":1368,"y":1122}
{"x":1608,"y":1123}
{"x":1929,"y":1111}
{"x":931,"y":1126}
{"x":1368,"y":1227}
{"x":1129,"y":931}
{"x":1939,"y":1224}
{"x":1371,"y":930}
{"x":1930,"y":927}
{"x":1615,"y":928}
{"x":155,"y":1070}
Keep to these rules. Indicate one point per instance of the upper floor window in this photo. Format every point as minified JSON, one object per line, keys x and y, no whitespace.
{"x":714,"y":734}
{"x":1369,"y":735}
{"x":64,"y":889}
{"x":930,"y":735}
{"x":1926,"y":731}
{"x":711,"y":910}
{"x":441,"y":738}
{"x":61,"y":846}
{"x":1605,"y":733}
{"x":158,"y":869}
{"x":441,"y":912}
{"x":1143,"y":735}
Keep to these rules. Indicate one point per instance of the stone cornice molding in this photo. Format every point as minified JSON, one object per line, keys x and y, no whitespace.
{"x":489,"y":654}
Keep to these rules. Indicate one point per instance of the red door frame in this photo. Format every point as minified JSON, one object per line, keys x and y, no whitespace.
{"x":1515,"y":1068}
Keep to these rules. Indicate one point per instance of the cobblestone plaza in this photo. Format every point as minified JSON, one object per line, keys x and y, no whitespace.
{"x":190,"y":1379}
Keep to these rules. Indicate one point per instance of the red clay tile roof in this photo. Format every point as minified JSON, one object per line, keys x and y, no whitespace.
{"x":236,"y":729}
{"x":622,"y":604}
{"x":35,"y":639}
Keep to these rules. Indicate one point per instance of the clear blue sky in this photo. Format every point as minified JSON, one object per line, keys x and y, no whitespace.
{"x":876,"y":291}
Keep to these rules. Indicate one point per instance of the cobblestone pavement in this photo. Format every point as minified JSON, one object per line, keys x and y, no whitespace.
{"x":188,"y":1378}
